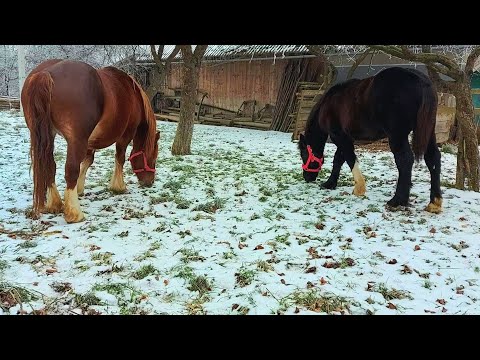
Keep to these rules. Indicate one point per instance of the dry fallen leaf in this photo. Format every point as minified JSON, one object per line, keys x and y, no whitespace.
{"x":241,"y":245}
{"x":312,"y":269}
{"x":417,"y":247}
{"x":165,"y":282}
{"x":392,"y":262}
{"x":444,"y":310}
{"x":441,"y":301}
{"x":439,"y":274}
{"x":391,"y":306}
{"x":235,"y":306}
{"x":406,"y":270}
{"x":35,"y":283}
{"x":433,"y":230}
{"x":310,"y":285}
{"x":462,"y":219}
{"x":282,"y":281}
{"x":259,"y":247}
{"x":94,"y":247}
{"x":429,"y":311}
{"x":323,"y":281}
{"x":51,"y":271}
{"x":297,"y":310}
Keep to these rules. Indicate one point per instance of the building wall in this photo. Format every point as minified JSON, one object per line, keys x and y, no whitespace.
{"x":228,"y":84}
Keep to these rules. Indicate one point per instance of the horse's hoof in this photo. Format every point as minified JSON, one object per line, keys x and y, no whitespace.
{"x":74,"y":217}
{"x":395,"y":204}
{"x":118,"y":190}
{"x":329,"y":185}
{"x":435,"y":207}
{"x":54,"y":209}
{"x":359,"y":189}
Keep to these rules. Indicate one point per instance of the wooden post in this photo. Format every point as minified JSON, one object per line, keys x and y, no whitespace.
{"x":21,"y":72}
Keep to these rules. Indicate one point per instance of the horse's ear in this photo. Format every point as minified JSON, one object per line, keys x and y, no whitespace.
{"x":157,"y":136}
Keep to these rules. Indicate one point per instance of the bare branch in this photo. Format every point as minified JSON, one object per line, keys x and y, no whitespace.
{"x":441,"y":63}
{"x":160,"y":50}
{"x":200,"y":51}
{"x":173,"y":54}
{"x":155,"y":55}
{"x":472,"y":58}
{"x":357,"y":62}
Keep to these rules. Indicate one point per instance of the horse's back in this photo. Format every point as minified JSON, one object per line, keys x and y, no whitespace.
{"x":76,"y":97}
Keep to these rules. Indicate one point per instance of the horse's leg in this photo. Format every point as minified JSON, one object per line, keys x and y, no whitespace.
{"x":338,"y":161}
{"x":54,"y":203}
{"x":348,"y":151}
{"x":432,"y":159}
{"x":86,"y":163}
{"x":76,"y":152}
{"x":117,"y":184}
{"x":404,"y":160}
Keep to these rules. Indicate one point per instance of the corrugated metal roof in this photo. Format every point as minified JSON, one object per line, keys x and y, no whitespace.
{"x":219,"y":52}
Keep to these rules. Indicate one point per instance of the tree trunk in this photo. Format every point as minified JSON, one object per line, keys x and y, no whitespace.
{"x":468,"y":156}
{"x":157,"y":77}
{"x":183,"y":137}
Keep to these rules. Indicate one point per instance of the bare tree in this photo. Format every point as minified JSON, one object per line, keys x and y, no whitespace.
{"x":458,"y":67}
{"x":160,"y":69}
{"x":191,"y":72}
{"x":329,"y":70}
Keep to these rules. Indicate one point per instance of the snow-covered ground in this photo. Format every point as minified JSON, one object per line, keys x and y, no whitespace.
{"x":234,"y":229}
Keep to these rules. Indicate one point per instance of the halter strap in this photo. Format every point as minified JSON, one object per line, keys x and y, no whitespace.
{"x":312,"y":158}
{"x":145,"y":165}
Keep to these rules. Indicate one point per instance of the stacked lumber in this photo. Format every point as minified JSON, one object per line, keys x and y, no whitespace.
{"x":296,"y":72}
{"x":307,"y":96}
{"x":9,"y":103}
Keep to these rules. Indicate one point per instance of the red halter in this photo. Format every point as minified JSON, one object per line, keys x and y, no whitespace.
{"x":145,"y":165}
{"x":312,"y":158}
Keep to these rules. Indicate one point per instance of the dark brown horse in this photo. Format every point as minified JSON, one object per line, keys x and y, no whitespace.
{"x":390,"y":105}
{"x":91,"y":109}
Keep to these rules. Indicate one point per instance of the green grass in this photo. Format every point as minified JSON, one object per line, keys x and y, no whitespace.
{"x":27,"y":244}
{"x":144,"y":271}
{"x":244,"y":276}
{"x":61,"y":287}
{"x":173,"y":185}
{"x":85,"y":300}
{"x":200,"y":284}
{"x":211,"y":207}
{"x":264,"y":266}
{"x":313,"y":300}
{"x":229,"y":255}
{"x":103,"y":258}
{"x":190,"y":255}
{"x":11,"y":295}
{"x":183,"y":272}
{"x":162,"y":198}
{"x":449,"y":149}
{"x":283,"y":239}
{"x":3,"y":265}
{"x":391,"y":294}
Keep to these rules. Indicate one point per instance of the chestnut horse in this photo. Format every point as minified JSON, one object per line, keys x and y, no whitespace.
{"x":390,"y":105}
{"x":91,"y":109}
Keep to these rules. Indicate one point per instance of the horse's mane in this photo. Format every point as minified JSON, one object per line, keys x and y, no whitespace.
{"x":149,"y":118}
{"x":342,"y":88}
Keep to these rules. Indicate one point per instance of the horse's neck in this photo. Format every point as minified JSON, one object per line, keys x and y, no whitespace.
{"x":316,"y":138}
{"x":140,"y":139}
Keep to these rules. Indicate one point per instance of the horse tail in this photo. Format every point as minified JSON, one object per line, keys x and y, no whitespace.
{"x":150,"y":119}
{"x":37,"y":96}
{"x":426,"y":119}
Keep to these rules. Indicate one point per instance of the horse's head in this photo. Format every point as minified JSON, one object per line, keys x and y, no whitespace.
{"x":143,"y":166}
{"x":311,"y":162}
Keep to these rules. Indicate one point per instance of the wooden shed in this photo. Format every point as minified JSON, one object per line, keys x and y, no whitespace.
{"x":256,"y":85}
